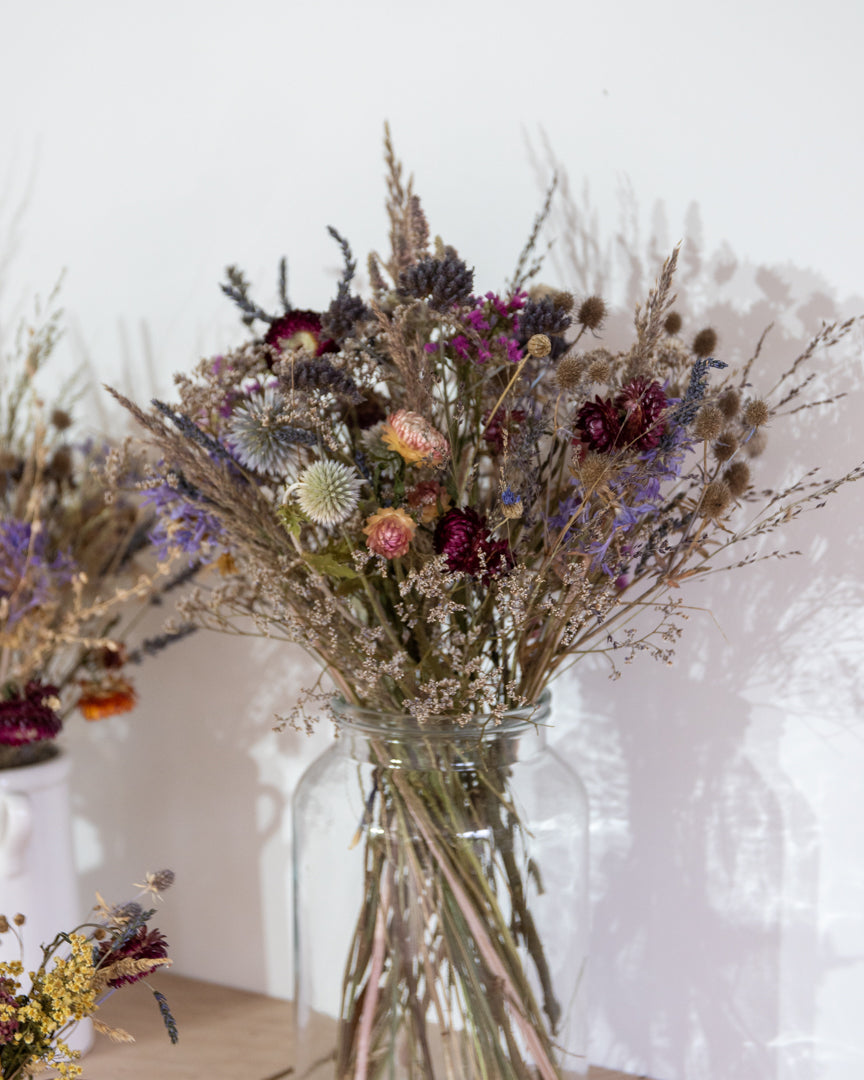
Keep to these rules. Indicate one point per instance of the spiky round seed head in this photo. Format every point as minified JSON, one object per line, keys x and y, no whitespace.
{"x":598,"y":370}
{"x":756,"y":413}
{"x":19,"y":919}
{"x":61,"y":419}
{"x":737,"y":476}
{"x":569,"y":372}
{"x":538,"y":346}
{"x":756,"y":444}
{"x":716,"y":499}
{"x":592,"y":471}
{"x":729,"y":403}
{"x":328,"y":492}
{"x":705,"y":342}
{"x":563,"y":301}
{"x":162,"y":879}
{"x":672,"y":323}
{"x":592,"y":312}
{"x":708,"y":423}
{"x":260,"y":434}
{"x":725,"y":446}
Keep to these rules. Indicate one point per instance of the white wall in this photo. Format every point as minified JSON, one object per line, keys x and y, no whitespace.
{"x":154,"y":144}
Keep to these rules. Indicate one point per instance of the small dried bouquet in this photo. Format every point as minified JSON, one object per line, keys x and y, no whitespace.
{"x":70,"y":560}
{"x":79,"y":970}
{"x":449,"y":495}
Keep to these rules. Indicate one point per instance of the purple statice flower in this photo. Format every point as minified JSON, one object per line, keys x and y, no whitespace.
{"x":184,"y":524}
{"x":28,"y":576}
{"x":29,"y":716}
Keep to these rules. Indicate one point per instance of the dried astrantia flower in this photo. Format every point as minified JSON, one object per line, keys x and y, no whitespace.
{"x":389,"y":532}
{"x":327,"y":491}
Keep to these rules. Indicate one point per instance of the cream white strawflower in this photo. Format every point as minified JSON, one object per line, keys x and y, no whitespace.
{"x":327,"y":492}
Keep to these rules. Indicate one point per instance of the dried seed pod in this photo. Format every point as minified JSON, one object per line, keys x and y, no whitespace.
{"x":756,"y":413}
{"x":672,"y":323}
{"x":570,"y":371}
{"x":716,"y":499}
{"x":538,"y":346}
{"x":725,"y":446}
{"x":737,"y":477}
{"x":705,"y":342}
{"x":708,"y":424}
{"x":729,"y":403}
{"x":592,"y":312}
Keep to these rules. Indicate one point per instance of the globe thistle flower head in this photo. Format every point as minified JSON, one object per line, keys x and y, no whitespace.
{"x":570,"y":372}
{"x":389,"y":532}
{"x":725,"y":446}
{"x":260,"y":435}
{"x":716,"y":499}
{"x":709,"y":423}
{"x":328,"y":492}
{"x":756,"y":413}
{"x":737,"y":477}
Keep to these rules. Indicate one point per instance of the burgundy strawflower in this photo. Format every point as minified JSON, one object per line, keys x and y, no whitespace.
{"x":599,"y":425}
{"x":503,"y":422}
{"x":144,"y":944}
{"x":299,"y":328}
{"x":462,"y":536}
{"x":29,"y":716}
{"x":642,"y":405}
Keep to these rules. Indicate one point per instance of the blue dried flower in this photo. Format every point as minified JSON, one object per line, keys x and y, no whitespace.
{"x":260,"y":435}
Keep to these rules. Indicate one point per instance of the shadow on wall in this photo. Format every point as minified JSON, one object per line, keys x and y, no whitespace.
{"x":709,"y":954}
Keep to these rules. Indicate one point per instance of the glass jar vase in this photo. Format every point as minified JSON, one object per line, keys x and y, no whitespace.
{"x":440,"y":902}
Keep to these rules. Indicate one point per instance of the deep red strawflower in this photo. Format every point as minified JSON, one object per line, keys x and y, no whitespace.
{"x":598,"y":424}
{"x":299,"y":328}
{"x":641,"y":405}
{"x":503,"y":422}
{"x":462,"y":536}
{"x":143,"y":945}
{"x":31,"y":716}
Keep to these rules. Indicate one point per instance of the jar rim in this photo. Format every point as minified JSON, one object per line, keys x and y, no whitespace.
{"x":365,"y":720}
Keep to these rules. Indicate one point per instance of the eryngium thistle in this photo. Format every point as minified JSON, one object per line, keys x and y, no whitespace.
{"x":328,"y":492}
{"x":705,"y":342}
{"x":440,"y":282}
{"x":672,"y":323}
{"x":592,"y":312}
{"x":261,"y":437}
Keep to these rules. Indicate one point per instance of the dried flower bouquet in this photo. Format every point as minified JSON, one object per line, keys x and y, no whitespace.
{"x":72,"y":565}
{"x":449,"y":497}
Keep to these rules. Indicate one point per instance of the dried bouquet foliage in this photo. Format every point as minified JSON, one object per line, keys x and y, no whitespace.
{"x":77,"y":570}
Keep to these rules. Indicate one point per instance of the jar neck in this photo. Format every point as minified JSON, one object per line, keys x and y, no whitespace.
{"x":396,"y":740}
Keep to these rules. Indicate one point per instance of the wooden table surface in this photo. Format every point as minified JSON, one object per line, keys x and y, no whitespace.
{"x":225,"y":1034}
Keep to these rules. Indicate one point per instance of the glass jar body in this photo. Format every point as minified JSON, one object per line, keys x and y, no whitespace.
{"x":440,"y":904}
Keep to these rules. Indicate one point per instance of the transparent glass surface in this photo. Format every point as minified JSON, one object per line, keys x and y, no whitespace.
{"x":441,"y":903}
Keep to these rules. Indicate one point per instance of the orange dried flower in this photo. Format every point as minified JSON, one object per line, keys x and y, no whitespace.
{"x":102,"y":699}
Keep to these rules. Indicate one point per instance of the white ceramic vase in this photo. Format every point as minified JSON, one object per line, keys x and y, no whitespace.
{"x":37,"y":870}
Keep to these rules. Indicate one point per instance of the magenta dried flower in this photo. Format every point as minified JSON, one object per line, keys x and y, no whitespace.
{"x":299,"y":329}
{"x":30,"y":716}
{"x":462,"y":536}
{"x":144,"y":944}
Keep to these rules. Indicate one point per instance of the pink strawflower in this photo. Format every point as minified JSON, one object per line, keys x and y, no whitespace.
{"x":389,"y":532}
{"x":414,"y":438}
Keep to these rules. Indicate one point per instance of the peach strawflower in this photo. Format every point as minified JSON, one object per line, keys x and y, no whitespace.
{"x":414,"y":438}
{"x":389,"y":532}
